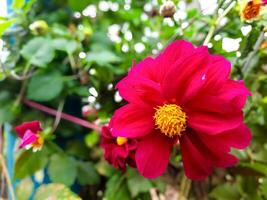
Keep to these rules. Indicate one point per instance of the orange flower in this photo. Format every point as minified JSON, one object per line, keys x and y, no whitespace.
{"x":251,"y":9}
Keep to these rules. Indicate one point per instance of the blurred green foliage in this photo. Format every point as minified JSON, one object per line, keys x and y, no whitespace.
{"x":54,"y":51}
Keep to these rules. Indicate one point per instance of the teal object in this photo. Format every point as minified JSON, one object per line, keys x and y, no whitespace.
{"x":10,"y":145}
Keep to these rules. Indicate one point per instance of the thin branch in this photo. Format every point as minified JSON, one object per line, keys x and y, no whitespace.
{"x":58,"y":116}
{"x":246,"y":67}
{"x":217,"y":22}
{"x":9,"y":183}
{"x":65,"y":116}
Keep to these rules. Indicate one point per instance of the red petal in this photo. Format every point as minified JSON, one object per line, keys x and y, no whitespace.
{"x":136,"y":89}
{"x":238,"y":138}
{"x":201,"y":153}
{"x":212,"y":115}
{"x":186,"y":74}
{"x":28,"y":138}
{"x":132,"y":121}
{"x":34,"y":126}
{"x":196,"y":166}
{"x":176,"y":51}
{"x":152,"y":155}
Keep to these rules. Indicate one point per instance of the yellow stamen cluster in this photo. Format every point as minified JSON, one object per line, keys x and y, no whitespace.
{"x":170,"y":119}
{"x":121,"y":140}
{"x":38,"y":144}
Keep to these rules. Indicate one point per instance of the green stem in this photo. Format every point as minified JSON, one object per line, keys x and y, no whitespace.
{"x":24,"y":85}
{"x":217,"y":21}
{"x":184,"y":188}
{"x":246,"y":67}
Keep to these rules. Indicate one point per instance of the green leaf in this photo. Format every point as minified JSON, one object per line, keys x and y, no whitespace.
{"x":45,"y":87}
{"x":226,"y":191}
{"x":5,"y":24}
{"x":55,"y":191}
{"x":91,"y":139}
{"x":103,"y":57}
{"x":78,"y":5}
{"x":28,"y":5}
{"x":263,"y":188}
{"x":28,"y":163}
{"x":116,"y":188}
{"x":87,"y":173}
{"x":258,"y":167}
{"x":38,"y":51}
{"x":17,"y":4}
{"x":68,"y":46}
{"x":24,"y":189}
{"x":136,"y":183}
{"x":62,"y":169}
{"x":6,"y":112}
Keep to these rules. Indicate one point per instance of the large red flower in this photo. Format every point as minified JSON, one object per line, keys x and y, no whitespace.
{"x":183,"y":96}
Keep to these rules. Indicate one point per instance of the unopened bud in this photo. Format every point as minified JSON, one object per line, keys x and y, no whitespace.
{"x":88,"y":111}
{"x":167,"y":9}
{"x":39,"y":27}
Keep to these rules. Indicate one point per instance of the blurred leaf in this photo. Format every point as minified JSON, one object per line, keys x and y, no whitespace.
{"x":17,"y":4}
{"x":103,"y":57}
{"x":45,"y":87}
{"x":256,"y":166}
{"x":263,"y":188}
{"x":116,"y":188}
{"x":68,"y":46}
{"x":28,"y":163}
{"x":62,"y":169}
{"x":78,"y":5}
{"x":91,"y":139}
{"x":226,"y":191}
{"x":4,"y":25}
{"x":6,"y":113}
{"x":39,"y":51}
{"x":28,"y":5}
{"x":136,"y":183}
{"x":54,"y":191}
{"x":87,"y":174}
{"x":24,"y":189}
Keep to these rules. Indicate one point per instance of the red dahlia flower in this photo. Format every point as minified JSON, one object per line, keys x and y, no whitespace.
{"x":183,"y":96}
{"x":28,"y":132}
{"x":119,"y":151}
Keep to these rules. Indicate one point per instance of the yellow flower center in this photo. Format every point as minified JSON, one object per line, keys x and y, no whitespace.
{"x":38,"y":144}
{"x":170,"y":119}
{"x":121,"y":140}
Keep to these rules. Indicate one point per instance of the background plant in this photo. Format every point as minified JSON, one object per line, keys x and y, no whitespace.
{"x":68,"y":54}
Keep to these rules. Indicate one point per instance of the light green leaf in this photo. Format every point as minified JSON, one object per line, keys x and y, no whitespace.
{"x":103,"y":57}
{"x":62,"y":169}
{"x":5,"y":24}
{"x":258,"y":167}
{"x":28,"y":163}
{"x":45,"y":87}
{"x":87,"y":173}
{"x":55,"y":191}
{"x":38,"y":51}
{"x":24,"y":189}
{"x":136,"y":183}
{"x":68,"y":46}
{"x":91,"y":139}
{"x":226,"y":191}
{"x":116,"y":188}
{"x":17,"y":4}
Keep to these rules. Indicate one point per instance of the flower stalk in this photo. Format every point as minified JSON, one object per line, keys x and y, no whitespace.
{"x":217,"y":22}
{"x":246,"y":67}
{"x":184,"y":188}
{"x":5,"y":172}
{"x":65,"y":116}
